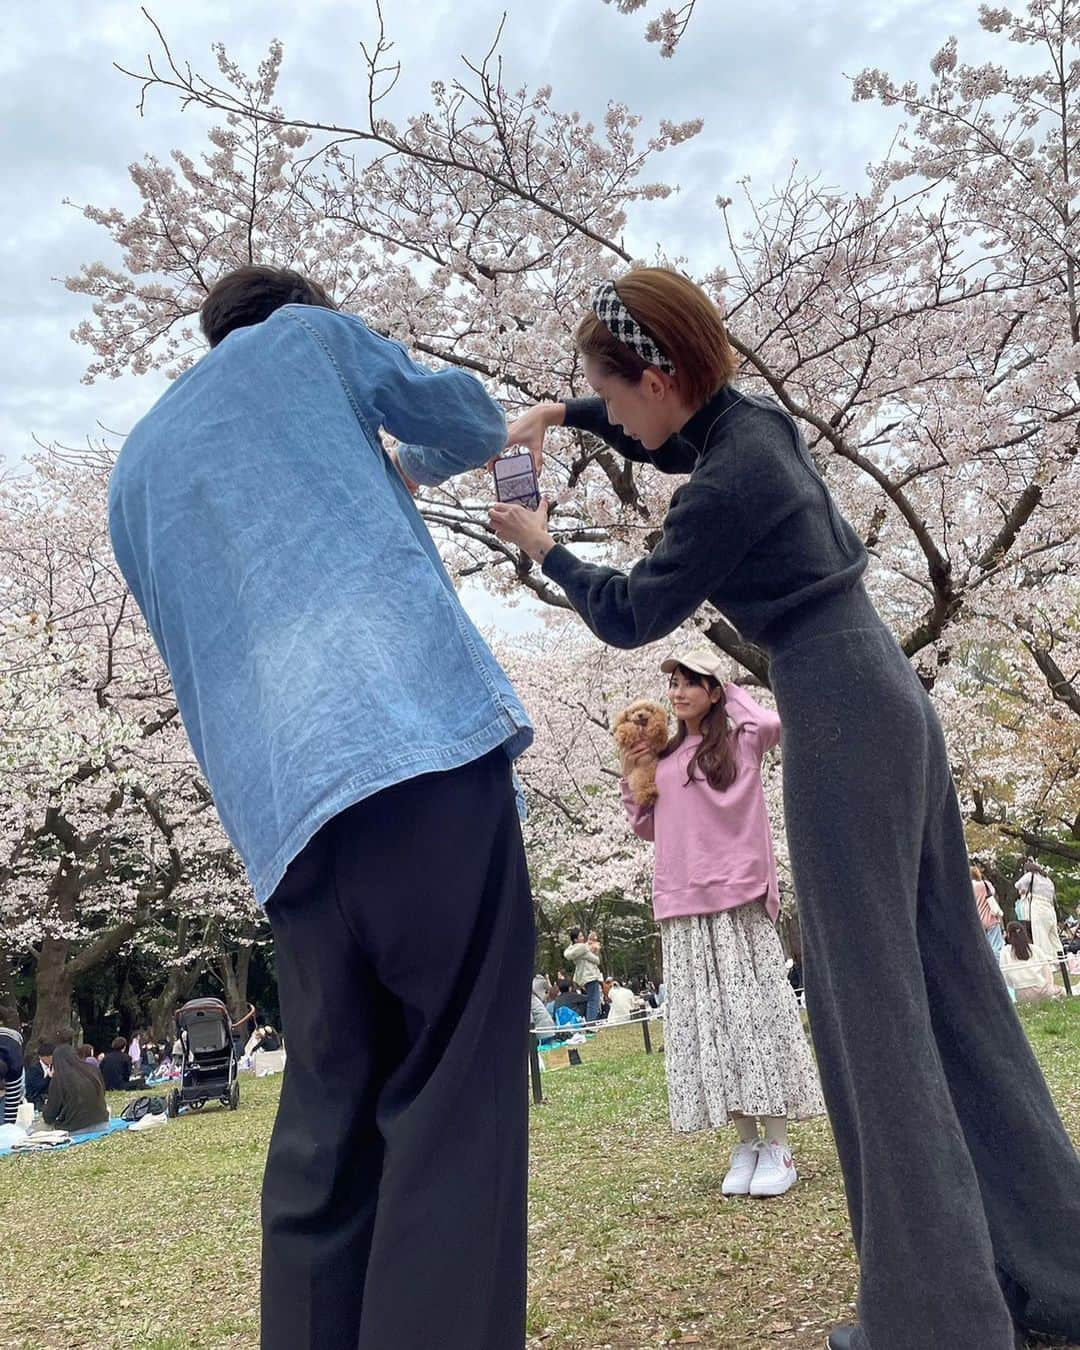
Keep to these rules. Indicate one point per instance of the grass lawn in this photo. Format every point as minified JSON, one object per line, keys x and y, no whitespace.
{"x":151,"y":1241}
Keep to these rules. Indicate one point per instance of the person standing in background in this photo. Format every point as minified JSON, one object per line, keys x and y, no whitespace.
{"x":990,"y":912}
{"x":1041,"y":895}
{"x":584,"y":955}
{"x":734,"y":1048}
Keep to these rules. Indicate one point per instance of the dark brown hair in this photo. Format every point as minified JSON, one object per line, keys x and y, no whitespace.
{"x":715,"y":756}
{"x":682,"y":321}
{"x":251,"y":294}
{"x":119,"y":1043}
{"x":86,"y":1052}
{"x":67,"y":1067}
{"x":1017,"y":938}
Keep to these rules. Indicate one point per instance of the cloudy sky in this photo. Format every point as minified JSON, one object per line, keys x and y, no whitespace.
{"x":768,"y":77}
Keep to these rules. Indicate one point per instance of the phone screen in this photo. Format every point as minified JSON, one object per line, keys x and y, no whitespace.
{"x":515,"y":480}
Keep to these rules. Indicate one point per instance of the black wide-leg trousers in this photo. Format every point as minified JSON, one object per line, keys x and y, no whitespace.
{"x":395,"y":1188}
{"x":962,"y":1184}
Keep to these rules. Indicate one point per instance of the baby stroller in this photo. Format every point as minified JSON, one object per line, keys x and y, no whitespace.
{"x":208,"y":1062}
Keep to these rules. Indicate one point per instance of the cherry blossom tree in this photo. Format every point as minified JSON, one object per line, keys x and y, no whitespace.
{"x":935,"y":378}
{"x":100,"y":799}
{"x":922,"y":330}
{"x":668,"y":30}
{"x":1015,"y":755}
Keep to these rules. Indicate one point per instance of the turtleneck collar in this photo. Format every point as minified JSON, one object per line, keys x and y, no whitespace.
{"x":696,"y":431}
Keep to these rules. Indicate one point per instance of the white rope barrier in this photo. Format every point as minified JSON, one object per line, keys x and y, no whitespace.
{"x":1055,"y":961}
{"x":657,"y":1014}
{"x":603,"y":1024}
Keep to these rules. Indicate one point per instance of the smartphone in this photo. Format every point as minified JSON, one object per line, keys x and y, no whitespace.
{"x":515,"y":480}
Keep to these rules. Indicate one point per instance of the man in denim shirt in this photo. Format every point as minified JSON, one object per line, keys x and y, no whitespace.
{"x":358,"y":737}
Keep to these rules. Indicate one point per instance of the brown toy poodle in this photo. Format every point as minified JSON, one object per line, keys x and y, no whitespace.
{"x":645,"y":721}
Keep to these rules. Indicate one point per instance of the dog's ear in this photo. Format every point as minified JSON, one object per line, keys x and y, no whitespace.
{"x":626,"y":732}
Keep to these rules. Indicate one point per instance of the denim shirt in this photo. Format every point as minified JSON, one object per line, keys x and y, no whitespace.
{"x":316,"y":644}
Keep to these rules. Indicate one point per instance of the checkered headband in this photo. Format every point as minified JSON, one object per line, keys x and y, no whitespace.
{"x":611,"y":312}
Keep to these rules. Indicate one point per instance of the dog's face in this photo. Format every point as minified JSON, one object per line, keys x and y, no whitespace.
{"x":645,"y":721}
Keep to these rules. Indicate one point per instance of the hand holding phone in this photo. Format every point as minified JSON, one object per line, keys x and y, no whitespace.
{"x":516,"y":481}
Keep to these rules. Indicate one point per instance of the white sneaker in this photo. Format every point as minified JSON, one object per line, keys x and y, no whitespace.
{"x":741,"y":1172}
{"x":775,"y":1171}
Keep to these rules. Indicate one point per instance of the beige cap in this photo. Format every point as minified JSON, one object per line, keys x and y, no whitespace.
{"x":701,"y":660}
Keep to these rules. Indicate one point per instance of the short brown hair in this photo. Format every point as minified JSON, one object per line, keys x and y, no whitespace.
{"x":682,"y":321}
{"x":119,"y":1043}
{"x":251,"y":294}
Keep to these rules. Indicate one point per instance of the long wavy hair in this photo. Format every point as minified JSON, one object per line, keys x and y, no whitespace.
{"x":714,"y":759}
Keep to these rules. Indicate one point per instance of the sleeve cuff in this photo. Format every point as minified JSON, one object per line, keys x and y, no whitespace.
{"x":580,"y":412}
{"x":558,"y":563}
{"x":411,"y":459}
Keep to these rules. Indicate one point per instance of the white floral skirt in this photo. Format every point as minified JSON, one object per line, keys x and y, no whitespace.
{"x":733,"y":1037}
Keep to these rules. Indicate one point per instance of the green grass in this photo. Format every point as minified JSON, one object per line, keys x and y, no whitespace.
{"x":141,"y":1240}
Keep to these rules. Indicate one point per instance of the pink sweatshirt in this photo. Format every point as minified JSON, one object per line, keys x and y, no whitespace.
{"x":714,"y":850}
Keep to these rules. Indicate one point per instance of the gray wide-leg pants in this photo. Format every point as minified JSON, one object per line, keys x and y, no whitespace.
{"x":962,"y":1184}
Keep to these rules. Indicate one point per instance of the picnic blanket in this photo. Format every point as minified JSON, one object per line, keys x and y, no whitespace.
{"x":112,"y":1128}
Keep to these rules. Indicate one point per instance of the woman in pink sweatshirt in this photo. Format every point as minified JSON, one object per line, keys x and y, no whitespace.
{"x":735,"y":1047}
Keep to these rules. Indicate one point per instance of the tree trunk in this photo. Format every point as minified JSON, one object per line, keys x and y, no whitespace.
{"x":86,"y":1013}
{"x":52,"y":1011}
{"x":1005,"y":891}
{"x":234,"y":977}
{"x":178,"y":986}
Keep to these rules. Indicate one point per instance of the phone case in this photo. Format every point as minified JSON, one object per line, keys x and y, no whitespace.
{"x":515,"y":480}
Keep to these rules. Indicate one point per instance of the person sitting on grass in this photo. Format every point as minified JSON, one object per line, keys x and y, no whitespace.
{"x":39,"y":1074}
{"x":12,"y":1081}
{"x":164,"y":1071}
{"x":88,"y":1057}
{"x":269,"y":1040}
{"x":569,"y":1006}
{"x":76,"y":1099}
{"x":1027,"y":973}
{"x":541,"y":1020}
{"x":116,"y":1067}
{"x":624,"y":1003}
{"x":263,"y":1040}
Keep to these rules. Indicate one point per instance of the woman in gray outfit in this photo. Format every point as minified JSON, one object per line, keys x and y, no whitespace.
{"x":931,"y":1085}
